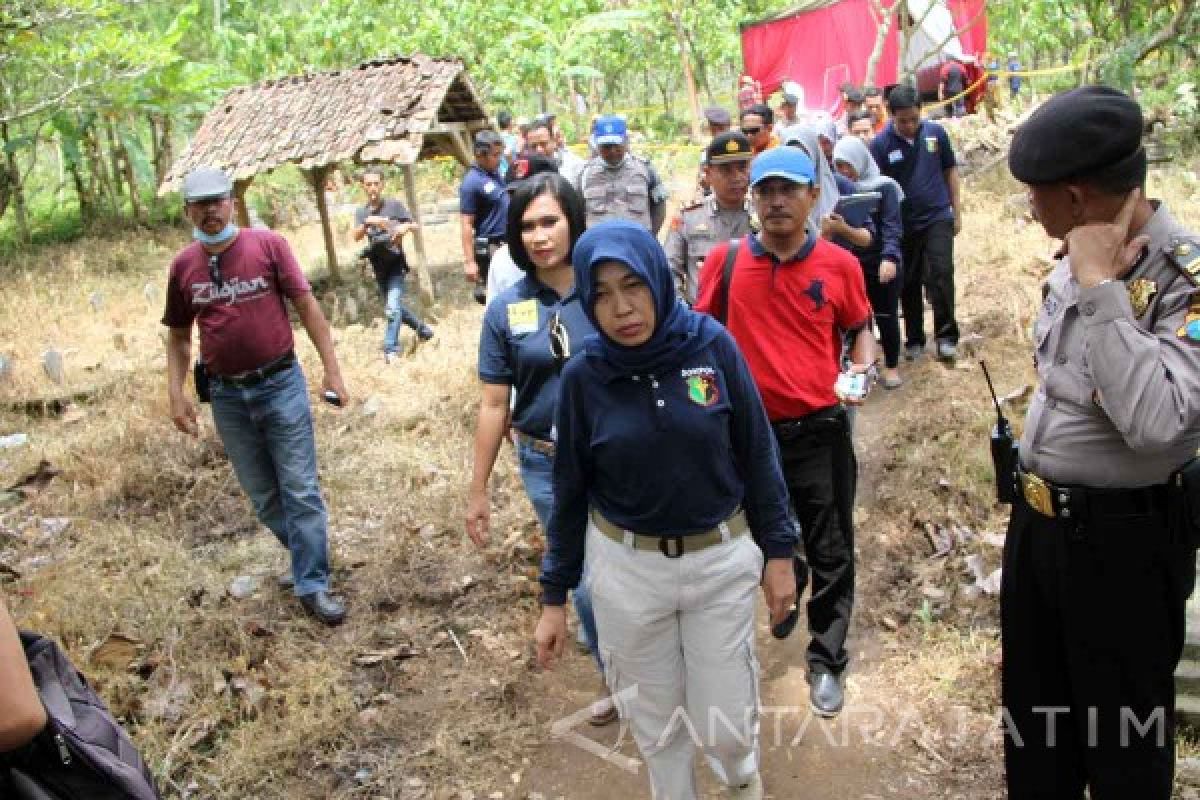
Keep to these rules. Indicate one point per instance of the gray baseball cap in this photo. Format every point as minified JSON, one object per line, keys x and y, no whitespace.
{"x":205,"y":183}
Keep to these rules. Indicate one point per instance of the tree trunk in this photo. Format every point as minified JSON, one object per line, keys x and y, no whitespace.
{"x":239,"y":202}
{"x":160,"y":142}
{"x":887,"y":13}
{"x":114,"y":157}
{"x":1169,"y":31}
{"x":701,"y":68}
{"x":126,"y":163}
{"x":316,"y":178}
{"x":15,"y":189}
{"x":87,"y":208}
{"x":99,"y":170}
{"x":688,"y":77}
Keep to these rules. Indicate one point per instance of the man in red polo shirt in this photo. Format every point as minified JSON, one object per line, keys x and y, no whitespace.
{"x":793,"y":298}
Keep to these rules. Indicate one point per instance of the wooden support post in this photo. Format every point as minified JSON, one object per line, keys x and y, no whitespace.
{"x":316,"y":177}
{"x":239,"y":202}
{"x":424,"y":279}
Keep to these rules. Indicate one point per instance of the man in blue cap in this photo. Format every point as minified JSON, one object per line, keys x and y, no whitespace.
{"x":790,"y":300}
{"x":619,"y":185}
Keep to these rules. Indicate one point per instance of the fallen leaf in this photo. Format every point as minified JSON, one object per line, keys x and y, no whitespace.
{"x":256,"y":628}
{"x":118,"y":651}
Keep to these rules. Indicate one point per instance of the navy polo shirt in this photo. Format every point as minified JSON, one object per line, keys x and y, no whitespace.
{"x":918,"y":168}
{"x":673,"y":453}
{"x":483,"y":196}
{"x":514,"y":349}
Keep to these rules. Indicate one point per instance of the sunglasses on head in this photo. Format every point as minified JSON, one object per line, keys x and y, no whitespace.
{"x":560,"y":340}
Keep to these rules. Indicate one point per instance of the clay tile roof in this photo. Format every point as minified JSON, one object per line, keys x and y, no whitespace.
{"x":378,"y":111}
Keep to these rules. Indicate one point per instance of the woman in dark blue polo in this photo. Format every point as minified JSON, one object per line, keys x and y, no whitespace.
{"x":667,"y":469}
{"x":529,"y":331}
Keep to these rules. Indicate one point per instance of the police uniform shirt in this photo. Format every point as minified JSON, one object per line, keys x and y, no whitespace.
{"x":1118,"y":401}
{"x":697,"y":231}
{"x":630,"y":190}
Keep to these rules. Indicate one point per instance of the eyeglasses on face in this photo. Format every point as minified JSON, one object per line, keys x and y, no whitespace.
{"x":752,"y":131}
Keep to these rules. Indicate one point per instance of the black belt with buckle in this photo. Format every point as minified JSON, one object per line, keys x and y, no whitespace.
{"x":1082,"y":502}
{"x":245,"y":380}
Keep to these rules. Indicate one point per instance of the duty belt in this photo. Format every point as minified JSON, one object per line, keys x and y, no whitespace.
{"x":674,"y":546}
{"x":244,"y":380}
{"x":1078,"y":502}
{"x":540,"y":445}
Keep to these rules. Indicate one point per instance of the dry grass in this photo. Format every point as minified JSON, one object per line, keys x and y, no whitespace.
{"x":250,"y":699}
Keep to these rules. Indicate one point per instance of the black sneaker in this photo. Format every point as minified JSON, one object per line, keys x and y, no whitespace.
{"x":784,"y":629}
{"x":424,"y":333}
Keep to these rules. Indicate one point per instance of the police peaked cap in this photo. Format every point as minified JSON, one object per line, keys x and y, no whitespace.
{"x":1090,"y":132}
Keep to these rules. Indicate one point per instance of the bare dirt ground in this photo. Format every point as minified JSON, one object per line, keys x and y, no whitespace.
{"x":124,"y":540}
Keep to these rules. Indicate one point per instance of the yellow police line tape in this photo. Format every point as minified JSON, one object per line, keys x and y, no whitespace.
{"x":1002,"y":74}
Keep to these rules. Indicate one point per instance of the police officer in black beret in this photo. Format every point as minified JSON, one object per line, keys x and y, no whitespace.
{"x":1099,"y":560}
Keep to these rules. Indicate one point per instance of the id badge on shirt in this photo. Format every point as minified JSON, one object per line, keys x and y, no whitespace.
{"x":523,"y":317}
{"x":895,"y":157}
{"x":931,"y":144}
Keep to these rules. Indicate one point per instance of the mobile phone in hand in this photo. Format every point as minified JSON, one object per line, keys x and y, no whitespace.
{"x":332,"y":397}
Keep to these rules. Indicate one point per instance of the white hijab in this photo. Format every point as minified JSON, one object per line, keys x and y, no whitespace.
{"x":806,"y":138}
{"x":854,"y":152}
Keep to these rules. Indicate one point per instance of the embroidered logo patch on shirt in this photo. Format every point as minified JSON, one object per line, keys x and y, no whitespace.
{"x":816,"y":292}
{"x":1190,"y":330}
{"x":895,"y":156}
{"x":523,"y":317}
{"x":702,"y":390}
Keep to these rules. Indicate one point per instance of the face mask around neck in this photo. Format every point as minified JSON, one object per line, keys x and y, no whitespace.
{"x":224,"y":236}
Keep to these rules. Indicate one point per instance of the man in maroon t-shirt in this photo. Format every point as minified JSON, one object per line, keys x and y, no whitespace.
{"x":232,"y":285}
{"x":792,"y":300}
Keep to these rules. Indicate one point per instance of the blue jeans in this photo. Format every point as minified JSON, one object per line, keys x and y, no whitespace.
{"x":392,"y":289}
{"x":537,"y":473}
{"x":267,"y":431}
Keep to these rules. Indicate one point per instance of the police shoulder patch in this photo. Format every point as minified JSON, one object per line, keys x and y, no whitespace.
{"x":1184,"y":254}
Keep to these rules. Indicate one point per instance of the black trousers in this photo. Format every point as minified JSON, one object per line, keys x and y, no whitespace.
{"x":929,"y":264}
{"x":821,"y":474}
{"x":1093,"y":626}
{"x":885,"y":298}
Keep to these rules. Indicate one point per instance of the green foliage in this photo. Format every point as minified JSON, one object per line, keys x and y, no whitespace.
{"x":80,"y":79}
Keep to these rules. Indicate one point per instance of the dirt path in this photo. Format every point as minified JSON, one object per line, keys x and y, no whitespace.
{"x":802,"y":757}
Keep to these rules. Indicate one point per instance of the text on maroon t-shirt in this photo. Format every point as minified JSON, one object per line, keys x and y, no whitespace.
{"x":243,"y":322}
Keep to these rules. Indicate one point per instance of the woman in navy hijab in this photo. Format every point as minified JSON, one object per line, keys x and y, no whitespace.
{"x":667,"y":474}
